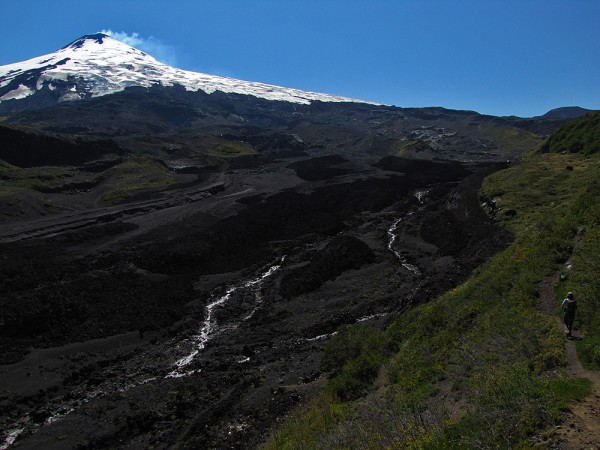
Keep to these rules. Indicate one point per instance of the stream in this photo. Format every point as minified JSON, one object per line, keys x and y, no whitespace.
{"x":420,"y":195}
{"x":193,"y":346}
{"x":82,"y":394}
{"x":209,"y":325}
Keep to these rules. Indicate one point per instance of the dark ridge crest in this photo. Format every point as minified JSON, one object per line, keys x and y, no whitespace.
{"x":78,"y":43}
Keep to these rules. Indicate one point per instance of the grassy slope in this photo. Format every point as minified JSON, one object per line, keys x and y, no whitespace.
{"x":480,"y":367}
{"x":581,"y":135}
{"x":134,"y":175}
{"x":510,"y":140}
{"x":39,"y":178}
{"x":145,"y":174}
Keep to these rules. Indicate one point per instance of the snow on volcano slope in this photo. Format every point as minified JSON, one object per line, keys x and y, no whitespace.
{"x":96,"y":65}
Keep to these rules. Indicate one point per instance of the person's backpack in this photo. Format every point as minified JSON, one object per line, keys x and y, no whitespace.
{"x":570,"y":306}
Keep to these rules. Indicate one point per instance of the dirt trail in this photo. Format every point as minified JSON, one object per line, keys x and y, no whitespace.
{"x":581,"y":429}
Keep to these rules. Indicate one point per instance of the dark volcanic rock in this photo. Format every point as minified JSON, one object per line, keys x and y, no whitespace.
{"x":458,"y":226}
{"x":321,"y":168}
{"x":281,"y":128}
{"x":341,"y":254}
{"x":29,"y":148}
{"x":445,"y":231}
{"x":424,"y":171}
{"x":151,"y":269}
{"x":243,"y":239}
{"x":47,"y":298}
{"x":263,"y":357}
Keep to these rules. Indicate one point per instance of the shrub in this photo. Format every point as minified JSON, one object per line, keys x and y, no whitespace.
{"x":354,"y":355}
{"x":349,"y":343}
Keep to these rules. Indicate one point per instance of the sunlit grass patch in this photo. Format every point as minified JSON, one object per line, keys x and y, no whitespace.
{"x":511,"y":139}
{"x":41,"y":179}
{"x":135,"y":175}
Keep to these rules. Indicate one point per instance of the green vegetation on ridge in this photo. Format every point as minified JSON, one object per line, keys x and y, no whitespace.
{"x":511,"y":140}
{"x":135,"y":175}
{"x":42,"y":179}
{"x":581,"y":135}
{"x":481,"y":366}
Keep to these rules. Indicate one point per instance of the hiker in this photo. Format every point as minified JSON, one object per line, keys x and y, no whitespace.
{"x":569,"y":305}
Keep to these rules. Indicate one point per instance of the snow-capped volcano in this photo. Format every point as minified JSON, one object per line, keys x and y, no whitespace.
{"x":96,"y":65}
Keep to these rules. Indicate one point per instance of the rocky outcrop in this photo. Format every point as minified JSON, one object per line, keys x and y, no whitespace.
{"x":341,"y":254}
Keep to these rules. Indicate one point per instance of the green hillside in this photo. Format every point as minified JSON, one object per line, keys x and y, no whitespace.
{"x":581,"y":135}
{"x":482,"y":366}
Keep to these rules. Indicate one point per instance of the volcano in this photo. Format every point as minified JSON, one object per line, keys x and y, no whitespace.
{"x":96,"y":65}
{"x":176,"y":249}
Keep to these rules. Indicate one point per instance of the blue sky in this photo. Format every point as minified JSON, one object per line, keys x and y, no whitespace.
{"x":501,"y":57}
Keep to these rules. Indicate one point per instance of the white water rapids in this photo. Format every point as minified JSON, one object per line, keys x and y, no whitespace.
{"x":10,"y":437}
{"x":360,"y":320}
{"x":393,"y":236}
{"x":420,"y":195}
{"x":209,"y":325}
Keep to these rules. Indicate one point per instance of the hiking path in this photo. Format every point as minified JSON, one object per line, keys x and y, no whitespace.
{"x":581,"y":429}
